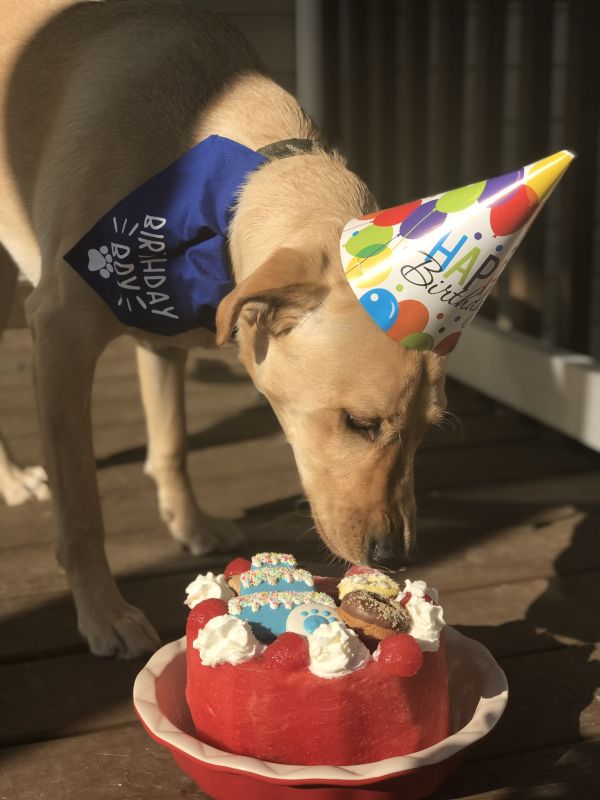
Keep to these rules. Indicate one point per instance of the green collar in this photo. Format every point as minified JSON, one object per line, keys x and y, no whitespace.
{"x":290,"y":147}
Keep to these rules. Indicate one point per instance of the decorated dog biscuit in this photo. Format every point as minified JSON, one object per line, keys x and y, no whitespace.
{"x":306,"y":618}
{"x":373,"y":581}
{"x":268,"y":612}
{"x":374,"y":615}
{"x":273,"y":560}
{"x":275,"y":579}
{"x":268,"y":591}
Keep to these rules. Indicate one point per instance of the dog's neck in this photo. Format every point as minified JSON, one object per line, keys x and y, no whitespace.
{"x":289,"y":202}
{"x":301,"y":203}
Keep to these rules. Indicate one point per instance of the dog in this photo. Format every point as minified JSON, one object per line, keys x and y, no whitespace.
{"x":99,"y":97}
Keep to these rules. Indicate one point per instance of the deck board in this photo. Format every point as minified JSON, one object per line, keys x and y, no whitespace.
{"x":509,"y":531}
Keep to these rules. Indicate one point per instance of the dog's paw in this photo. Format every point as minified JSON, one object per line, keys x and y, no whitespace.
{"x":213,"y":535}
{"x":203,"y":535}
{"x":193,"y":529}
{"x":19,"y":484}
{"x":124,"y":632}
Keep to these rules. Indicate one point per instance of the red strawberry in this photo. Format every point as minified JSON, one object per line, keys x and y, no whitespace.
{"x":357,"y":569}
{"x":205,"y":611}
{"x":236,"y":567}
{"x":401,"y":655}
{"x":289,"y":651}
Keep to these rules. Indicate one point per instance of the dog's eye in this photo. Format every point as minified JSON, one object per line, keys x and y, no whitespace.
{"x":369,"y":428}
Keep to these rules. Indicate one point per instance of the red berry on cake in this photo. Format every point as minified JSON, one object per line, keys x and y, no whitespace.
{"x":400,"y":654}
{"x":234,"y":570}
{"x":358,"y":569}
{"x":205,"y":611}
{"x":289,"y":651}
{"x":236,"y":567}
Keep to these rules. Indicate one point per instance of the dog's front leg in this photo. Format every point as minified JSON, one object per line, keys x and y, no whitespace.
{"x":67,"y":343}
{"x":162,"y":373}
{"x":17,"y":484}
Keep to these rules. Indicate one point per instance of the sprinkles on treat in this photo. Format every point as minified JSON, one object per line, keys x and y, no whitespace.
{"x":275,"y":599}
{"x":273,"y":560}
{"x":272,"y":576}
{"x":376,"y":582}
{"x":375,"y":609}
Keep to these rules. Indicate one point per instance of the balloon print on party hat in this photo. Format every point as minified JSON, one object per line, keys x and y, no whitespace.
{"x":423,"y":269}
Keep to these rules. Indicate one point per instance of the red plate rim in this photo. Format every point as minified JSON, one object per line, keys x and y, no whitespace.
{"x":494,"y":696}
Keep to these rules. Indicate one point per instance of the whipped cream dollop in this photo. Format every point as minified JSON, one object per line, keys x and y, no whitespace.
{"x":335,"y":650}
{"x":427,"y":617}
{"x":207,"y":586}
{"x":227,"y":640}
{"x":419,"y":589}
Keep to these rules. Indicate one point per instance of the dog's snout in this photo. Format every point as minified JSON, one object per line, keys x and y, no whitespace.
{"x":388,"y":551}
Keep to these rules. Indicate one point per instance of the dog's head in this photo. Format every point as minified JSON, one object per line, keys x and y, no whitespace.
{"x":353,"y":403}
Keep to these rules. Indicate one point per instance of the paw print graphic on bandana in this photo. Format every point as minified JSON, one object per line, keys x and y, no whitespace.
{"x":100,"y":261}
{"x":306,"y":618}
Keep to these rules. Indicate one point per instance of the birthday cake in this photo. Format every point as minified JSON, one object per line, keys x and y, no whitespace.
{"x":291,"y":668}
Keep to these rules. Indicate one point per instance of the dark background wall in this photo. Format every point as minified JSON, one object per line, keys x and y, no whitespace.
{"x":424,"y":95}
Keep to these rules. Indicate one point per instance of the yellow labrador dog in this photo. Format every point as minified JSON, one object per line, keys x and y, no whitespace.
{"x":100,"y":96}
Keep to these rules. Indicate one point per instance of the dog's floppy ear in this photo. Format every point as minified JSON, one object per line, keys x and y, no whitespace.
{"x":276,"y":296}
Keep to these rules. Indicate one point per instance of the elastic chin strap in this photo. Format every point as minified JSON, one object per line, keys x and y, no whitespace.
{"x":290,"y":147}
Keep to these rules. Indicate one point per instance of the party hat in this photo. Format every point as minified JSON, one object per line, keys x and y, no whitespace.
{"x":423,"y":269}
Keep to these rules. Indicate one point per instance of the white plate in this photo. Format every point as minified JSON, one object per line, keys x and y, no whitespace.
{"x":478,"y":691}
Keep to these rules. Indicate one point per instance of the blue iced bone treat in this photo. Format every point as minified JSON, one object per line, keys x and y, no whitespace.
{"x":269,"y":592}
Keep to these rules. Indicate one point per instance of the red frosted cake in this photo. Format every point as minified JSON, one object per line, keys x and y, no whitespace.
{"x":281,"y":671}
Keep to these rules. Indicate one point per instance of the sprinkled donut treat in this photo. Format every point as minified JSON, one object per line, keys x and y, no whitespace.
{"x":373,"y":615}
{"x":372,"y":581}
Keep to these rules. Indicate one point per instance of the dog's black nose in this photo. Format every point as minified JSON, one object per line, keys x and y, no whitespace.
{"x":388,"y":551}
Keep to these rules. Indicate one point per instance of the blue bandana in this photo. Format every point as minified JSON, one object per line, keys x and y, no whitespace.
{"x":159,"y":258}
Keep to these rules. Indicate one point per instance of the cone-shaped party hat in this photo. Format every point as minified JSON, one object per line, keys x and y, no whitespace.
{"x":423,"y":269}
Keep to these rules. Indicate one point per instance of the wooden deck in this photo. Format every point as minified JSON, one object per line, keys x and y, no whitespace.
{"x":509,"y":533}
